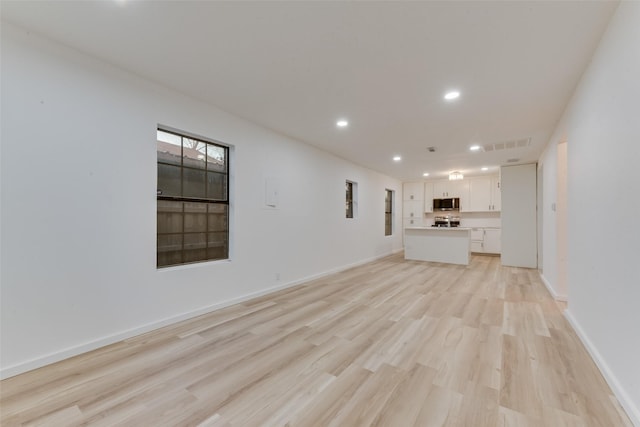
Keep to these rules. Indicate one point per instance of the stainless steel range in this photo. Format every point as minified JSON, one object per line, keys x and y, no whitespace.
{"x":446,"y":221}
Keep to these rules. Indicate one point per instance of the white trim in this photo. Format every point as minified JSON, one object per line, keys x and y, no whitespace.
{"x":75,"y":350}
{"x":625,"y":401}
{"x":551,"y":290}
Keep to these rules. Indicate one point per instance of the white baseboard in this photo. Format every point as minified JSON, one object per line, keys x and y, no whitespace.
{"x":75,"y":350}
{"x":625,"y":401}
{"x":552,"y":291}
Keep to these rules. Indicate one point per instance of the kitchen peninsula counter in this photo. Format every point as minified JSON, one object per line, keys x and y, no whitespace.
{"x":438,"y":244}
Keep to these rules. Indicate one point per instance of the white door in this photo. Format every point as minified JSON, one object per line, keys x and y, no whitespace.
{"x":519,"y":225}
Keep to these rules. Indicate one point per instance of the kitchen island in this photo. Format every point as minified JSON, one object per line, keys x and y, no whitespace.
{"x":438,"y":244}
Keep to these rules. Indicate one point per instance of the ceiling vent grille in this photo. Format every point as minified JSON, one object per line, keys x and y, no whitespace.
{"x":508,"y":145}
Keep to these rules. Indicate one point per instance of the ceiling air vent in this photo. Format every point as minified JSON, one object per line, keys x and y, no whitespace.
{"x":513,"y":160}
{"x":508,"y":145}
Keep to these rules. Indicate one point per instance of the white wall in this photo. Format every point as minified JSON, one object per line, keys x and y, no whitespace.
{"x":78,"y":207}
{"x":561,"y":221}
{"x":602,"y":131}
{"x":547,"y":213}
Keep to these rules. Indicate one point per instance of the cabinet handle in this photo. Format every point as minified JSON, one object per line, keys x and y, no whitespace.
{"x":411,"y":215}
{"x":411,"y":197}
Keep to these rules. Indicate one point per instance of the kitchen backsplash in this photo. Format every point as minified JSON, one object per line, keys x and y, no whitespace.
{"x":469,"y":219}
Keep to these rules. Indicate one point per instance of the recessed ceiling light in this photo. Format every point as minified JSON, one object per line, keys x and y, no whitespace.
{"x":474,"y":148}
{"x":452,"y":95}
{"x":425,"y":174}
{"x":342,"y":123}
{"x":397,"y":158}
{"x":485,"y":168}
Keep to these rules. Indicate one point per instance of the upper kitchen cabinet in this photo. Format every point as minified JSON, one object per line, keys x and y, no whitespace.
{"x":441,"y":189}
{"x":428,"y":196}
{"x":484,"y":194}
{"x":413,"y":191}
{"x":496,"y":194}
{"x":447,"y":189}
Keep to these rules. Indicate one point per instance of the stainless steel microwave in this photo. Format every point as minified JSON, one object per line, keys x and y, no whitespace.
{"x":452,"y":204}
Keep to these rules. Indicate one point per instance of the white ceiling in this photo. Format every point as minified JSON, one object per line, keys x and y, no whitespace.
{"x":297,"y":67}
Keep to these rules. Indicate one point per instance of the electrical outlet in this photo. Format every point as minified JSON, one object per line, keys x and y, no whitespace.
{"x":277,"y":277}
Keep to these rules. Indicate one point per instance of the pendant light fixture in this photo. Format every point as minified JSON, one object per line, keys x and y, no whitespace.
{"x":454,"y":176}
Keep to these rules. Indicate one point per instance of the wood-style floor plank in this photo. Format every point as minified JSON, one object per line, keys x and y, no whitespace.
{"x":389,"y":343}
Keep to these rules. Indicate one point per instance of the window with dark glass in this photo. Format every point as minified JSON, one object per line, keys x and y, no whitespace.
{"x":349,"y":204}
{"x":192,"y":200}
{"x":388,"y":212}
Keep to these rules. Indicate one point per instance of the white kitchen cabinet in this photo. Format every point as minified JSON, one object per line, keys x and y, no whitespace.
{"x":413,"y":205}
{"x":476,"y":246}
{"x":447,"y":189}
{"x":477,"y":234}
{"x":484,"y":194}
{"x":496,"y":194}
{"x":413,"y":209}
{"x":460,"y":188}
{"x":441,"y":189}
{"x":485,"y":240}
{"x":480,"y":194}
{"x":492,"y":237}
{"x":413,"y":191}
{"x":412,"y":222}
{"x":428,"y":196}
{"x":477,"y":239}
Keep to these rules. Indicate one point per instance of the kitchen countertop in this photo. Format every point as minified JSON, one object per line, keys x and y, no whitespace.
{"x":438,"y":228}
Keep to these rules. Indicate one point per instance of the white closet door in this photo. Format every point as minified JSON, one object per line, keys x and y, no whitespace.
{"x":519,"y":204}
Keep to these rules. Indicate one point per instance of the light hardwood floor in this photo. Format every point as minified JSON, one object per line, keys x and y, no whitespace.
{"x":394,"y":343}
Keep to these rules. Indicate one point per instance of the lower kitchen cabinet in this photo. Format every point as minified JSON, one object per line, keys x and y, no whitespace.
{"x":485,"y":240}
{"x":492,"y":238}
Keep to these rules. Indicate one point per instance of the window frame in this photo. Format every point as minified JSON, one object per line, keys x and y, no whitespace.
{"x":388,"y":212}
{"x":207,"y":201}
{"x":351,"y":198}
